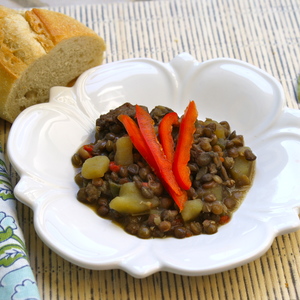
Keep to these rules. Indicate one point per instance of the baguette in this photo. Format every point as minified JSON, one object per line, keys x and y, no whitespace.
{"x":41,"y":49}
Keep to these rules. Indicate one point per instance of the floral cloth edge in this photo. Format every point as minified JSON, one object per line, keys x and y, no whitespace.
{"x":16,"y":277}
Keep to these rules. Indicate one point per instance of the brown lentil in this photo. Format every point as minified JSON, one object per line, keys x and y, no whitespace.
{"x":203,"y":159}
{"x":103,"y":210}
{"x":196,"y":228}
{"x":230,"y":202}
{"x":164,"y":226}
{"x":123,"y":172}
{"x":210,"y":198}
{"x":180,"y":232}
{"x":249,"y":155}
{"x":144,"y":232}
{"x":147,"y":192}
{"x":209,"y":226}
{"x":133,"y":169}
{"x":217,"y":208}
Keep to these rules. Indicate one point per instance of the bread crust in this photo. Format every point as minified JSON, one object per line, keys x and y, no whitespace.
{"x":26,"y":38}
{"x":53,"y":27}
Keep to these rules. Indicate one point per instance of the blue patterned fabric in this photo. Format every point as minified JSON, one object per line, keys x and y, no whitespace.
{"x":16,"y":277}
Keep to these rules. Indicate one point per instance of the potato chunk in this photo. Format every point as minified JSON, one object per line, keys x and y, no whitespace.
{"x":242,"y":171}
{"x":124,"y":155}
{"x":220,"y":131}
{"x":192,"y":209}
{"x":131,"y":201}
{"x":95,"y":167}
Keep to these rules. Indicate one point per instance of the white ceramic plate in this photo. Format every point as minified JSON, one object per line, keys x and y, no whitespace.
{"x":44,"y":138}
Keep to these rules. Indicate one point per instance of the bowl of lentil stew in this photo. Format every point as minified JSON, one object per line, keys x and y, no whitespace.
{"x":44,"y":138}
{"x":127,"y":173}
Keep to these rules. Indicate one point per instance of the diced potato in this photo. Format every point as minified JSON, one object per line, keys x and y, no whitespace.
{"x":124,"y":155}
{"x":191,"y":210}
{"x":241,"y":171}
{"x":95,"y":167}
{"x":217,"y":191}
{"x":131,"y":201}
{"x":220,"y":130}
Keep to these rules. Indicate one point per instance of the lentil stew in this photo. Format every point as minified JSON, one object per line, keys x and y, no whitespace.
{"x":118,"y":182}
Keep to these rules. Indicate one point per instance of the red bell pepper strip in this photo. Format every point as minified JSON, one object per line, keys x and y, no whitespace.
{"x":137,"y":139}
{"x":146,"y":125}
{"x":165,"y":134}
{"x":146,"y":142}
{"x":179,"y":199}
{"x":183,"y":147}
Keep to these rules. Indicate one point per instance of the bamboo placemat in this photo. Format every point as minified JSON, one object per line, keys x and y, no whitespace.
{"x":265,"y":33}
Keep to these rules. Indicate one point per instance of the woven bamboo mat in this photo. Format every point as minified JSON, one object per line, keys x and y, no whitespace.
{"x":265,"y":33}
